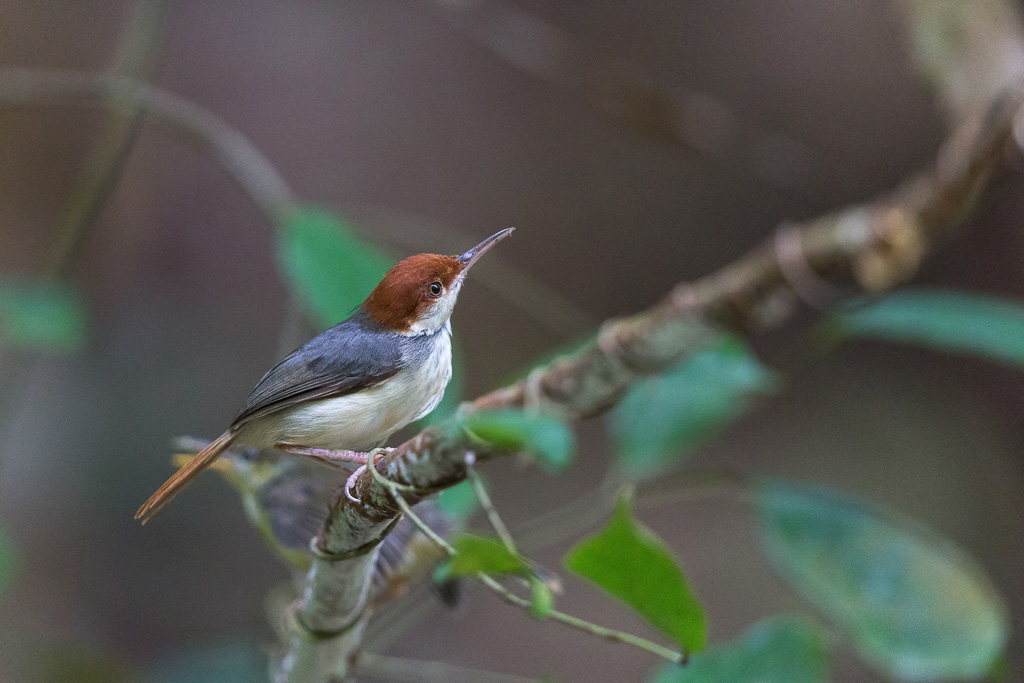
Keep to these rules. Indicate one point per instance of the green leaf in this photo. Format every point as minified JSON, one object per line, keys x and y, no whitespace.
{"x":326,"y":265}
{"x":663,"y":418}
{"x":630,"y":562}
{"x":38,"y":315}
{"x":1000,"y":671}
{"x":543,"y":436}
{"x":541,"y":601}
{"x":778,"y":650}
{"x":459,"y":501}
{"x":8,"y":563}
{"x":476,"y":554}
{"x":914,"y":605}
{"x":947,"y":320}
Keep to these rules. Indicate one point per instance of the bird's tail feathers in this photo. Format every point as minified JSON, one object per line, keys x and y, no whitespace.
{"x":183,"y":477}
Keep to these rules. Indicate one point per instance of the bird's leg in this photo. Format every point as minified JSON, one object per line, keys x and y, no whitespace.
{"x":323,"y":454}
{"x":371,"y":461}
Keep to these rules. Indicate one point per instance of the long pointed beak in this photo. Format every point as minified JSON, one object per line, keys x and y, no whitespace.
{"x":471,"y":256}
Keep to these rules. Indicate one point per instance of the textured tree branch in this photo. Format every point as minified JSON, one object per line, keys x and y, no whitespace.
{"x":876,"y":246}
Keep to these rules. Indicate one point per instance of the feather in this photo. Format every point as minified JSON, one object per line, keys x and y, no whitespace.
{"x":401,"y":298}
{"x":183,"y":476}
{"x":352,"y":355}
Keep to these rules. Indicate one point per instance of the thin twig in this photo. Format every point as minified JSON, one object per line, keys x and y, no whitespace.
{"x":585,"y":626}
{"x":243,"y":160}
{"x":105,"y":161}
{"x":488,"y":506}
{"x":423,"y":526}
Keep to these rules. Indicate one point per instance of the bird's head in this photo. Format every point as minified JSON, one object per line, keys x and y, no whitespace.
{"x":417,"y":295}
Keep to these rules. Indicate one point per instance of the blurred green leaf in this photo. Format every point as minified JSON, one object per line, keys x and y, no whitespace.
{"x":459,"y":501}
{"x":914,"y":605}
{"x":1001,"y":670}
{"x":37,"y":315}
{"x":8,"y":563}
{"x":476,"y":554}
{"x":541,"y":601}
{"x":778,"y":650}
{"x":326,"y":265}
{"x":948,"y":320}
{"x":233,"y":662}
{"x":543,"y":436}
{"x":630,"y":562}
{"x":665,"y":417}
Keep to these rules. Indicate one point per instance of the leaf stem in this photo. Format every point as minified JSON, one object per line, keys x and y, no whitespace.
{"x":413,"y":517}
{"x":487,"y":505}
{"x":585,"y":626}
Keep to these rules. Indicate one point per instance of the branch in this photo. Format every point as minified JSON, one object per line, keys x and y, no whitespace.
{"x":243,"y":160}
{"x":875,"y":246}
{"x":104,"y":163}
{"x":968,"y":52}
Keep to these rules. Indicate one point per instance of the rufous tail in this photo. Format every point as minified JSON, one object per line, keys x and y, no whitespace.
{"x":183,"y":476}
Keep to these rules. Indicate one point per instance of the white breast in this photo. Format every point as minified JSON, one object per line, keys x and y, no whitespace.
{"x":366,"y":418}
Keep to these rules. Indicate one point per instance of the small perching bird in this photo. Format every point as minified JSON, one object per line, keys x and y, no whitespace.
{"x":348,"y":389}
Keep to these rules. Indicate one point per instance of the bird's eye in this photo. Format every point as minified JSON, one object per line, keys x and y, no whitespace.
{"x":435,"y":289}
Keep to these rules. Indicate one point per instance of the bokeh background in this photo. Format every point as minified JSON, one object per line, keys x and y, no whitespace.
{"x":429,"y":125}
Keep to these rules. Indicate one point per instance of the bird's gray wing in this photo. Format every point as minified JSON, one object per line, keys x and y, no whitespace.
{"x":346,"y":358}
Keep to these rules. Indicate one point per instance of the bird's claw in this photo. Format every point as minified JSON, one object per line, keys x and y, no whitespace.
{"x":371,"y":460}
{"x":351,"y":481}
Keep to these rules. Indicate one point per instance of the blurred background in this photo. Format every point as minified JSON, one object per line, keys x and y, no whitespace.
{"x":633,"y":145}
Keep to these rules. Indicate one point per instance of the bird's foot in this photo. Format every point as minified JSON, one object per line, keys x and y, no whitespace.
{"x":324,"y":454}
{"x":371,"y":460}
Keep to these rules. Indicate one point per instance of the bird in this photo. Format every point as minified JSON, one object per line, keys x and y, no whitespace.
{"x":348,"y":389}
